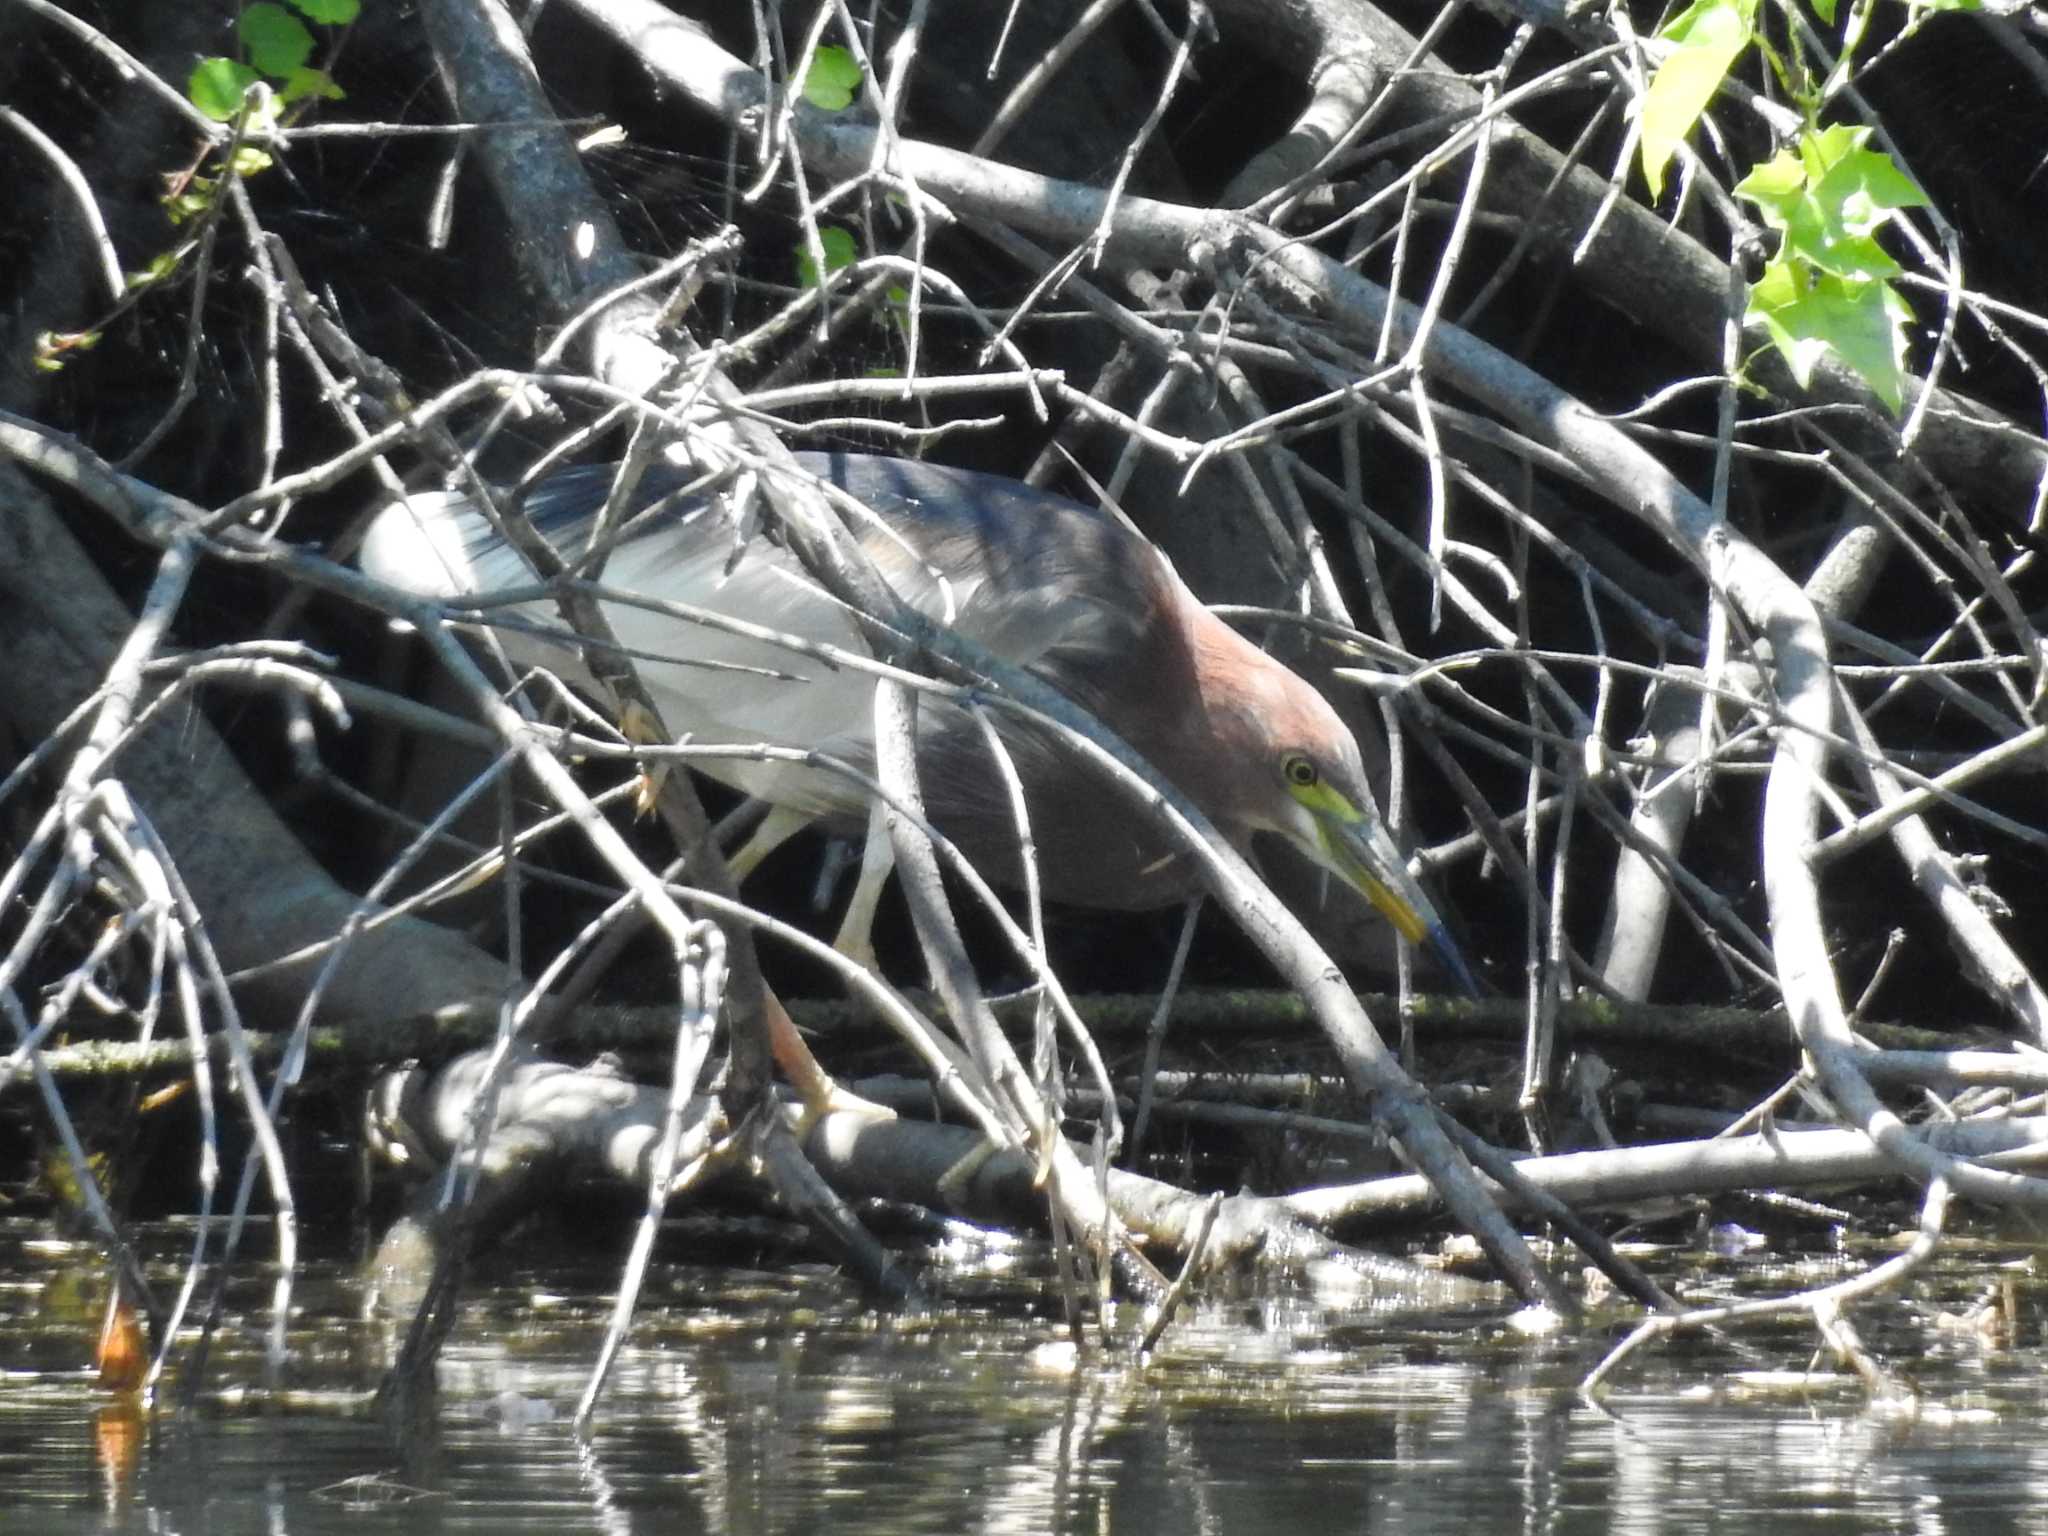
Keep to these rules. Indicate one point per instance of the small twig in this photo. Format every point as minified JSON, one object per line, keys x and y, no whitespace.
{"x":1160,"y":1314}
{"x":702,"y":973}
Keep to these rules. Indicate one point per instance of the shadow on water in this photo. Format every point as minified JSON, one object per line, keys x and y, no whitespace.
{"x":751,"y":1401}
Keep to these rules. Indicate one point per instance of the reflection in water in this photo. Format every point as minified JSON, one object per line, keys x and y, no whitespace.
{"x":118,"y":1433}
{"x":753,"y":1402}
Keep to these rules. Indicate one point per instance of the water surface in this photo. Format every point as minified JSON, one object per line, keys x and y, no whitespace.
{"x":767,"y":1400}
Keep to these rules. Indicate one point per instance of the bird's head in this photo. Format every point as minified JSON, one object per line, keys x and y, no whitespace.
{"x":1296,"y":771}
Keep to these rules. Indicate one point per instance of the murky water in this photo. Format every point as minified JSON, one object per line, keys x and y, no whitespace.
{"x":765,"y":1401}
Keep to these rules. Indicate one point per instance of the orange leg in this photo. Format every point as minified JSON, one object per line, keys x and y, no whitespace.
{"x":821,"y":1095}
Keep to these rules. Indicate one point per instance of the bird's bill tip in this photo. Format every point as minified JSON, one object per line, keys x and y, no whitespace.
{"x":1453,"y":960}
{"x":1375,"y":868}
{"x":1423,"y":926}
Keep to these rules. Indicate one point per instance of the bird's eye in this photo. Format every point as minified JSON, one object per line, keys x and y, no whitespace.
{"x":1301,"y":773}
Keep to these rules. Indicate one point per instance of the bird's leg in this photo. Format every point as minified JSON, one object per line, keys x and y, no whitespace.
{"x":856,"y":936}
{"x":817,"y":1088}
{"x":819,"y":1091}
{"x":776,"y":828}
{"x":642,"y":729}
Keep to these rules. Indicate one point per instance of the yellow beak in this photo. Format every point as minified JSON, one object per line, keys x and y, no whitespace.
{"x":1355,"y":848}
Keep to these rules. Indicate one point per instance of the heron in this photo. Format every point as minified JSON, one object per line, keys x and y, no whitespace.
{"x":1071,"y":593}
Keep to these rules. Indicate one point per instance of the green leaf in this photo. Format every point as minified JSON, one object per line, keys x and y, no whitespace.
{"x":1705,"y":21}
{"x":1711,"y":35}
{"x":1861,"y":190}
{"x":161,"y":266}
{"x":1855,"y":257}
{"x":330,"y":13}
{"x":840,"y":251}
{"x":1775,"y":186}
{"x":1829,"y":200}
{"x":303,"y":83}
{"x":1819,"y":148}
{"x":278,"y":41}
{"x":188,"y":205}
{"x":52,"y":347}
{"x":832,"y":79}
{"x":1811,"y":315}
{"x":217,"y":85}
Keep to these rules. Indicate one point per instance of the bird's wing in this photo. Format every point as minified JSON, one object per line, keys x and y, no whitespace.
{"x":1021,"y":571}
{"x":1031,"y":576}
{"x":1017,"y":569}
{"x":716,"y":686}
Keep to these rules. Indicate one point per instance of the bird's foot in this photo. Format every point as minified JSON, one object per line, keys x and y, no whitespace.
{"x":825,"y":1096}
{"x":647,"y":790}
{"x":817,"y":1090}
{"x":642,"y":728}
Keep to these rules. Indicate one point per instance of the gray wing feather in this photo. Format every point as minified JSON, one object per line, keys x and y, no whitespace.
{"x":1022,"y":572}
